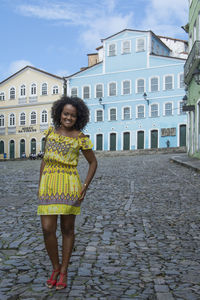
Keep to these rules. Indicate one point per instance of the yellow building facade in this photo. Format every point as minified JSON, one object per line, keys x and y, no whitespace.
{"x":26,"y":99}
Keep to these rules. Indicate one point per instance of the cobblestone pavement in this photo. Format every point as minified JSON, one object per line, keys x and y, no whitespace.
{"x":138,"y":235}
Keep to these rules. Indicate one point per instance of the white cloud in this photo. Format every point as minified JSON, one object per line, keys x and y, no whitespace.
{"x":18,"y":65}
{"x":163,"y":17}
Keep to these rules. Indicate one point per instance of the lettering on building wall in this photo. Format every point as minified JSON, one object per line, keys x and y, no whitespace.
{"x":168,"y":131}
{"x":27,"y":129}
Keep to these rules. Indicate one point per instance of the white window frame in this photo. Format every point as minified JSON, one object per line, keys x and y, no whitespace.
{"x":55,"y":88}
{"x":137,"y":112}
{"x":123,"y":51}
{"x":164,"y":84}
{"x":42,"y":89}
{"x":179,"y":80}
{"x":95,"y":92}
{"x":12,"y":87}
{"x":2,"y":95}
{"x":122,"y":87}
{"x":164,"y":108}
{"x":179,"y":108}
{"x":123,"y":108}
{"x":150,"y":111}
{"x":20,"y":124}
{"x":33,"y":111}
{"x":150,"y":86}
{"x":89,"y":92}
{"x":112,"y":82}
{"x":44,"y":110}
{"x":96,"y":110}
{"x":115,"y":50}
{"x":136,"y":82}
{"x":14,"y":118}
{"x":22,"y":88}
{"x":109,"y":113}
{"x":2,"y":120}
{"x":35,"y":87}
{"x":137,"y":42}
{"x":74,"y":87}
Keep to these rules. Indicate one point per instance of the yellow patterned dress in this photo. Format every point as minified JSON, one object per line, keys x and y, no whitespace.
{"x":60,"y":184}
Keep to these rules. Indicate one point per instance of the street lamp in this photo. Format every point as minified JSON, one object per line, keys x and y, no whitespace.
{"x":185,"y":98}
{"x":145,"y":97}
{"x":196,"y":75}
{"x":100,"y":102}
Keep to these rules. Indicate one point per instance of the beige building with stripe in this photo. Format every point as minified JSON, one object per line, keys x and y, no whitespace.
{"x":26,"y":98}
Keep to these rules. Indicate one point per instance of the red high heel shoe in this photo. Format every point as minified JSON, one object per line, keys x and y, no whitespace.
{"x":51,"y":282}
{"x":60,"y":282}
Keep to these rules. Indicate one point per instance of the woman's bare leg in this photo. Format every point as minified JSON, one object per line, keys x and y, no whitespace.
{"x":49,"y":226}
{"x":67,"y":228}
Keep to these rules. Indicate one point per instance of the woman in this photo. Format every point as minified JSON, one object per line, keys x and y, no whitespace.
{"x":60,"y":189}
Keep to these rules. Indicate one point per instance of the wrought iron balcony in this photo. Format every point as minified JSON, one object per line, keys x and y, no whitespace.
{"x":192,"y":62}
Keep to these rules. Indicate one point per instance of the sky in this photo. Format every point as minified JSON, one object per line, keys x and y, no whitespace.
{"x":57,"y":35}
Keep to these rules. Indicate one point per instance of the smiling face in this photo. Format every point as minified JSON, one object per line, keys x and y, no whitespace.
{"x":68,"y":116}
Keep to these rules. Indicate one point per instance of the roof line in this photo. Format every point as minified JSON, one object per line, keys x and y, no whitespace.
{"x":167,"y":56}
{"x":86,"y":68}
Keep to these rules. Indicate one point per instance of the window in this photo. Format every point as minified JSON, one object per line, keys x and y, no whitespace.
{"x":22,"y":119}
{"x":140,"y":86}
{"x":126,"y":113}
{"x":154,"y":110}
{"x":113,"y":114}
{"x":168,"y":82}
{"x":99,"y":115}
{"x":168,"y":109}
{"x":99,"y":90}
{"x":12,"y":93}
{"x":140,"y":44}
{"x":33,"y":118}
{"x":140,"y":111}
{"x":2,"y":121}
{"x":181,"y":108}
{"x":181,"y":80}
{"x":44,"y":116}
{"x":154,"y":84}
{"x":74,"y":92}
{"x":22,"y":90}
{"x":12,"y":120}
{"x":2,"y":96}
{"x":112,"y":50}
{"x":126,"y":47}
{"x":55,"y":89}
{"x":44,"y":89}
{"x":112,"y":89}
{"x":86,"y":92}
{"x":126,"y":87}
{"x":33,"y":89}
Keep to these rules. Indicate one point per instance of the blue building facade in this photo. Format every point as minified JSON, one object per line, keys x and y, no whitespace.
{"x":134,"y":92}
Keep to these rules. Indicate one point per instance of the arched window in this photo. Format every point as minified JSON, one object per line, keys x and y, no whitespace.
{"x":2,"y":121}
{"x":33,"y":146}
{"x":86,"y":92}
{"x":140,"y":86}
{"x":12,"y":93}
{"x":33,"y":118}
{"x":55,"y":89}
{"x":44,"y":89}
{"x":33,"y":89}
{"x":43,"y":144}
{"x":22,"y":90}
{"x":12,"y":120}
{"x":126,"y":113}
{"x":44,"y":116}
{"x":126,"y":87}
{"x":74,"y":92}
{"x":154,"y":84}
{"x":2,"y":96}
{"x":22,"y":119}
{"x":112,"y":89}
{"x":1,"y":147}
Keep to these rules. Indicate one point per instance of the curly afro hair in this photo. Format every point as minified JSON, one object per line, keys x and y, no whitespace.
{"x":81,"y":107}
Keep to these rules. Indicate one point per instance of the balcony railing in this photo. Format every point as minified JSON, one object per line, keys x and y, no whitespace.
{"x":33,"y":99}
{"x":22,"y":100}
{"x":192,"y":62}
